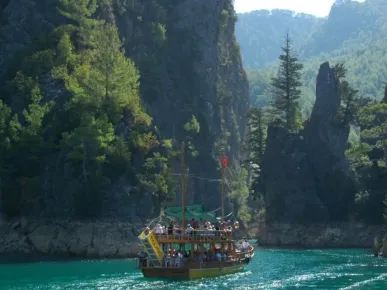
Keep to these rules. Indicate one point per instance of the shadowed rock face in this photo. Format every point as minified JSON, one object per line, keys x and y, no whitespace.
{"x":326,"y":140}
{"x":69,"y":238}
{"x":306,"y":175}
{"x":179,"y":80}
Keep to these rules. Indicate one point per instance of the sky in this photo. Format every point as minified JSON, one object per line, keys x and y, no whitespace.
{"x":319,"y":8}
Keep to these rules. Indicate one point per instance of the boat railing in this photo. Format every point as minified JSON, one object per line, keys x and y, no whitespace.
{"x":196,"y":236}
{"x":176,"y":262}
{"x":242,"y":253}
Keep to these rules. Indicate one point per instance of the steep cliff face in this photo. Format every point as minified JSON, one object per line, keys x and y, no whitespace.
{"x":200,"y":72}
{"x":326,"y":141}
{"x":306,"y":176}
{"x":189,"y":64}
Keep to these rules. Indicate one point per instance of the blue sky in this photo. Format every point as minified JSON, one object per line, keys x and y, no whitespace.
{"x":319,"y":8}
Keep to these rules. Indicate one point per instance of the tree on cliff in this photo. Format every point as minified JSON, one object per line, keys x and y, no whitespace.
{"x":286,"y":89}
{"x":350,"y":99}
{"x":368,"y":159}
{"x":257,"y":126}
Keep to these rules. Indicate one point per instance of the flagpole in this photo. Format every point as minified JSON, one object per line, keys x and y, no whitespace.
{"x":222,"y":169}
{"x":182,"y":187}
{"x":223,"y":165}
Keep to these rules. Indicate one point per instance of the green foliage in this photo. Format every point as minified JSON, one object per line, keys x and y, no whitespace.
{"x":239,"y":193}
{"x":224,"y":97}
{"x":193,"y":125}
{"x":144,"y":141}
{"x":92,"y":127}
{"x":192,"y":128}
{"x":350,"y":101}
{"x":375,"y":117}
{"x":286,"y":89}
{"x":260,"y":34}
{"x":157,"y":179}
{"x":89,"y":142}
{"x":256,"y":139}
{"x":5,"y":138}
{"x":224,"y":17}
{"x":80,"y":13}
{"x":353,"y":34}
{"x":160,"y":36}
{"x":357,"y":155}
{"x":368,"y":161}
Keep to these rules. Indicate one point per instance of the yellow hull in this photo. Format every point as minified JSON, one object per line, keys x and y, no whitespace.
{"x":186,"y":273}
{"x":214,"y":272}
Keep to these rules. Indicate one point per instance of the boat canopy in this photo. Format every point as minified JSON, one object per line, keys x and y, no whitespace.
{"x":196,"y":212}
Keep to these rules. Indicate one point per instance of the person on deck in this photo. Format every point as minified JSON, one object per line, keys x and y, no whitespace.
{"x":194,"y":226}
{"x":158,"y":229}
{"x":170,"y":229}
{"x":189,"y":229}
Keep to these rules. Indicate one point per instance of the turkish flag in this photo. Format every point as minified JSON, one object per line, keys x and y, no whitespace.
{"x":224,"y":161}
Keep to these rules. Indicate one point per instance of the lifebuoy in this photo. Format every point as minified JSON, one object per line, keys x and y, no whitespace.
{"x":236,"y":225}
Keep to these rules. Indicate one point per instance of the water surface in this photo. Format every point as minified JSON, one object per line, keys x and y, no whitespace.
{"x":270,"y":269}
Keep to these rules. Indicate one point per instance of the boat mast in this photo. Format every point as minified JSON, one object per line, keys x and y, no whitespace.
{"x":223,"y":165}
{"x":222,"y":195}
{"x":182,"y":186}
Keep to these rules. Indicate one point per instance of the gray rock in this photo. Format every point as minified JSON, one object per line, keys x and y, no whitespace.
{"x":340,"y":235}
{"x":299,"y":169}
{"x":42,"y":238}
{"x":63,"y":238}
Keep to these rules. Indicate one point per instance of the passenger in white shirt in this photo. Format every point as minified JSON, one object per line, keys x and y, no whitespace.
{"x":158,"y":229}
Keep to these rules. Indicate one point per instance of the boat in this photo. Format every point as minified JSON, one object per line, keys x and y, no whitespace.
{"x":186,"y":242}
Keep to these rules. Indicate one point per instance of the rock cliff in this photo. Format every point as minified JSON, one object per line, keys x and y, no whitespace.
{"x":103,"y":239}
{"x":319,"y":235}
{"x":200,"y":73}
{"x":189,"y":63}
{"x":306,"y":176}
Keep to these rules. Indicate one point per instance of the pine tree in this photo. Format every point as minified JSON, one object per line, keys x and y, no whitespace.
{"x":88,"y":144}
{"x":384,"y":100}
{"x":376,"y":116}
{"x":80,"y":12}
{"x":256,"y":145}
{"x":349,"y":96}
{"x":106,"y":81}
{"x":286,"y":88}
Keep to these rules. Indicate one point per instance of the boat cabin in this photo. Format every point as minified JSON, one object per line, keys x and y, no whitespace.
{"x":198,"y":245}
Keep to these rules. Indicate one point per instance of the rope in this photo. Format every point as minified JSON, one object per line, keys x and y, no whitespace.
{"x":197,"y":177}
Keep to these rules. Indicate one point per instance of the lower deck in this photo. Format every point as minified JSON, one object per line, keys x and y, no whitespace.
{"x":195,"y":271}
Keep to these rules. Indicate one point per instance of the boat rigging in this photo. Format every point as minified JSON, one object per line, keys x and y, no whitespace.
{"x":201,"y":245}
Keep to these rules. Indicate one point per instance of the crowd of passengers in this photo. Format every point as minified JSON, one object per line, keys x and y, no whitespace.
{"x":194,"y":228}
{"x":179,"y":258}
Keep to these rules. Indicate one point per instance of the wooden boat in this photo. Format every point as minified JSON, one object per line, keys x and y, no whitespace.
{"x":182,"y":253}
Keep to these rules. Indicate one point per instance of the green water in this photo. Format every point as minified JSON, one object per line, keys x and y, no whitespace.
{"x":270,"y":269}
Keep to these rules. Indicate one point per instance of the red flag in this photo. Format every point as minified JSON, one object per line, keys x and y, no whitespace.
{"x":224,"y":161}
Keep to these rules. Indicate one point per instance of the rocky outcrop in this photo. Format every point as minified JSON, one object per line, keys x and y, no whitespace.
{"x":326,"y":138}
{"x":379,"y":246}
{"x":201,"y":73}
{"x":190,"y":64}
{"x":100,"y":239}
{"x":341,"y":235}
{"x":306,"y":176}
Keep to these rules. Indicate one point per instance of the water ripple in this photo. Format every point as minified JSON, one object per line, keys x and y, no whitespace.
{"x":270,"y":269}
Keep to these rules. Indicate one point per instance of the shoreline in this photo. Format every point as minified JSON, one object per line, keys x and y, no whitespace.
{"x":319,"y":236}
{"x":32,"y":240}
{"x":39,"y":258}
{"x":300,"y":247}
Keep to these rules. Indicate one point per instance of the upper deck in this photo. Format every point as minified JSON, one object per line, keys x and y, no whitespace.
{"x":221,"y":236}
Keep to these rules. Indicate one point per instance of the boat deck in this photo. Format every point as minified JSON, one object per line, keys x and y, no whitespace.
{"x":218,"y":237}
{"x":192,"y":269}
